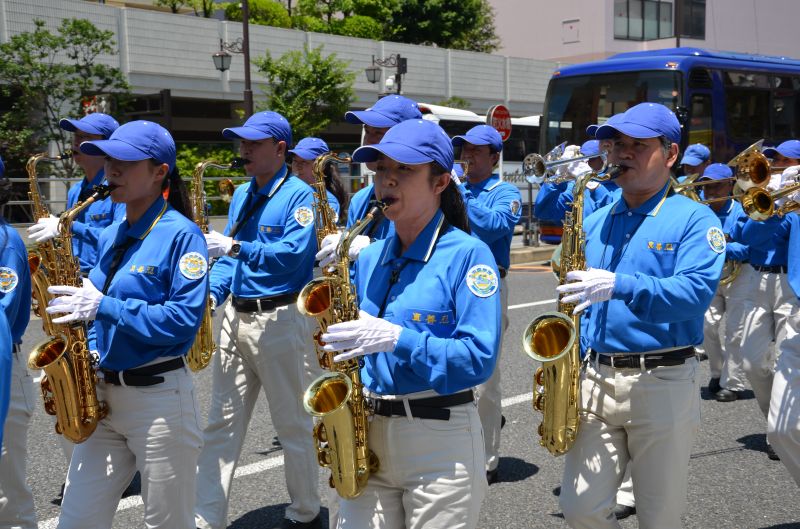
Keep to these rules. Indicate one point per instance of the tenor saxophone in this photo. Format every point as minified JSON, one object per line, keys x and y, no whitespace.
{"x":336,"y":398}
{"x":69,"y":384}
{"x":203,"y":347}
{"x":553,"y":338}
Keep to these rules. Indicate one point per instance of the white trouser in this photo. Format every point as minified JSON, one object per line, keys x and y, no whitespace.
{"x":269,"y":350}
{"x":154,"y":430}
{"x":734,"y":301}
{"x":431,"y":474}
{"x":625,"y":492}
{"x":16,"y":498}
{"x":643,"y":419}
{"x":776,"y":307}
{"x":490,"y":406}
{"x":783,"y":424}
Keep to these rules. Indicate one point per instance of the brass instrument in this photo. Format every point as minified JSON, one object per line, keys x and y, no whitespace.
{"x":553,"y":338}
{"x":324,"y":215}
{"x":750,"y":167}
{"x":730,"y":271}
{"x":42,"y":261}
{"x":538,"y":166}
{"x":69,"y":383}
{"x":759,"y":204}
{"x":336,"y":397}
{"x":465,"y":165}
{"x":203,"y":347}
{"x":686,"y":188}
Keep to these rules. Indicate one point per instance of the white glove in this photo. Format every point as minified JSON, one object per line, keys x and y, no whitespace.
{"x":454,"y":177}
{"x":213,"y":302}
{"x":791,"y":176}
{"x":218,"y":244}
{"x":363,"y":336}
{"x":571,"y":151}
{"x":45,"y":229}
{"x":593,"y":286}
{"x":79,"y":304}
{"x":327,"y":253}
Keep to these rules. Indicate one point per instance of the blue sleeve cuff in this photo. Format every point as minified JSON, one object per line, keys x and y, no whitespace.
{"x":406,"y":343}
{"x":624,"y":285}
{"x":110,"y":309}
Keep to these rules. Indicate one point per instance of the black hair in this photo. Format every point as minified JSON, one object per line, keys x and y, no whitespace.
{"x":334,"y":184}
{"x":453,"y":207}
{"x":178,"y":196}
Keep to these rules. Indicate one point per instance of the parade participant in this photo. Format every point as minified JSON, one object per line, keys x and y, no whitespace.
{"x":783,"y":420}
{"x":785,"y":155}
{"x":18,"y":397}
{"x":428,"y":331}
{"x":731,"y":300}
{"x":146,"y":296}
{"x":493,"y":208}
{"x":695,"y":160}
{"x":305,"y":152}
{"x":90,"y":222}
{"x":653,"y":262}
{"x":267,"y":256}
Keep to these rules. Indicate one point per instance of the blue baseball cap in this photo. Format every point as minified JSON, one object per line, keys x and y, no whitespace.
{"x":260,"y":126}
{"x":717,"y":171}
{"x":695,"y":154}
{"x":591,"y":130}
{"x":590,"y":148}
{"x":386,"y":112}
{"x":790,"y":149}
{"x":134,"y":141}
{"x":414,"y":141}
{"x":96,"y":123}
{"x":481,"y":135}
{"x":645,"y":120}
{"x":309,"y":148}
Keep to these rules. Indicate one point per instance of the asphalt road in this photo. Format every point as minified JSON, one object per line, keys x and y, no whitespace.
{"x":732,"y":483}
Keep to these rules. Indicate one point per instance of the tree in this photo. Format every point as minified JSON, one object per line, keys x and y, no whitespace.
{"x":46,"y":76}
{"x":173,"y":5}
{"x":446,"y":23}
{"x":262,"y":12}
{"x":481,"y":36}
{"x":308,"y":89}
{"x":207,"y":7}
{"x":454,"y":102}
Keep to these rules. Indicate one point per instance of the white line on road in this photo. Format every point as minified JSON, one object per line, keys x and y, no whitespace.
{"x":261,"y":466}
{"x":532,"y":304}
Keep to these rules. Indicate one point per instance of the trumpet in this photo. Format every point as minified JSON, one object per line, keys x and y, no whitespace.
{"x":759,"y":204}
{"x":537,"y":166}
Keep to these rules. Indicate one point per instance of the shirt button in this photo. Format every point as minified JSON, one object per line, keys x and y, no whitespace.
{"x":394,"y":298}
{"x":627,"y":235}
{"x":629,"y":213}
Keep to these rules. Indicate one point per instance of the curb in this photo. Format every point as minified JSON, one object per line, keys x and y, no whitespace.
{"x":529,"y":254}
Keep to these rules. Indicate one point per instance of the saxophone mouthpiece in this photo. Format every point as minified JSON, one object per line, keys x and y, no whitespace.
{"x":238,"y":163}
{"x":614,"y":171}
{"x":102,"y":191}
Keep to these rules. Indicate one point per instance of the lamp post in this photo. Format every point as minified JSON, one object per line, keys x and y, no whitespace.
{"x":222,"y":59}
{"x":392,"y":61}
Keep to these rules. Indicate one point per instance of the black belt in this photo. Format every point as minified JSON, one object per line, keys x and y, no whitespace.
{"x":142,"y":376}
{"x":427,"y":408}
{"x":777,"y":269}
{"x":503,"y":272}
{"x":263,"y":304}
{"x":633,"y":361}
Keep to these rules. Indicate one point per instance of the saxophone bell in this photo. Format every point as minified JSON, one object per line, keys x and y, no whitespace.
{"x":549,"y":336}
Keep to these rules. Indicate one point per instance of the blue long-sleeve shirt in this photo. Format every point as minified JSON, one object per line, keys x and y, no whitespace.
{"x":359,"y":204}
{"x":493,"y":208}
{"x":157,"y":297}
{"x":278,"y":242}
{"x":667,"y":255}
{"x":778,"y":230}
{"x":446,"y":297}
{"x":5,"y":370}
{"x":15,"y":281}
{"x":91,"y":221}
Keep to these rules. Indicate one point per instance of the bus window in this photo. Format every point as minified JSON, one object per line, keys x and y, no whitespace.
{"x":747,"y":105}
{"x":786,"y":106}
{"x":700,"y":129}
{"x":523,"y":141}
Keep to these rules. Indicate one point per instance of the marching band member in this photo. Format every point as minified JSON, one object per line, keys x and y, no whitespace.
{"x":146,"y":299}
{"x":305,"y":152}
{"x":785,"y":155}
{"x":17,"y":394}
{"x":429,"y":331}
{"x":695,"y":160}
{"x":731,"y":300}
{"x":267,"y":256}
{"x":493,"y":209}
{"x":654,"y":260}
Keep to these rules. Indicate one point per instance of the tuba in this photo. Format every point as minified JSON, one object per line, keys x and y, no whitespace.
{"x":199,"y":355}
{"x":69,"y":383}
{"x":336,"y":397}
{"x":553,"y":338}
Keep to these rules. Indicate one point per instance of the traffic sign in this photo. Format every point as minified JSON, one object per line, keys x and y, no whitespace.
{"x":500,"y":118}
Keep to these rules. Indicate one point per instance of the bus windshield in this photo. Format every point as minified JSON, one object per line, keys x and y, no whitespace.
{"x":573,"y":103}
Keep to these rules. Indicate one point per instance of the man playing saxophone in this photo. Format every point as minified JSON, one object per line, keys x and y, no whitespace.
{"x":653,"y":261}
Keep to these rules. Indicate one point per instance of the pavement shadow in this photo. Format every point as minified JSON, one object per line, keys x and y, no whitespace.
{"x":511,"y":469}
{"x":793,"y":525}
{"x":756,"y":442}
{"x":746,"y":394}
{"x":269,"y":517}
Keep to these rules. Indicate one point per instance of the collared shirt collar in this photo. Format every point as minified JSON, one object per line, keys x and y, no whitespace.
{"x":98,"y":179}
{"x":142,"y":227}
{"x":485,"y":185}
{"x":422,"y":247}
{"x":651,"y":207}
{"x":272,"y":185}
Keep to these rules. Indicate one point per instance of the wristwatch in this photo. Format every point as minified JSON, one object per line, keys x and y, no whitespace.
{"x":235,"y":249}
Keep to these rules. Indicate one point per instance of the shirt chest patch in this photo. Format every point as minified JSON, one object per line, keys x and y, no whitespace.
{"x":193,"y":265}
{"x":8,"y":279}
{"x":304,"y":216}
{"x":429,"y":317}
{"x":99,"y":216}
{"x":143,"y":269}
{"x":661,"y":246}
{"x":270,"y":229}
{"x":482,"y":280}
{"x":716,"y":239}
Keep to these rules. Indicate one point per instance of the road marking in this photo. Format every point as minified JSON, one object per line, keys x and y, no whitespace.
{"x":532,"y":304}
{"x":255,"y":468}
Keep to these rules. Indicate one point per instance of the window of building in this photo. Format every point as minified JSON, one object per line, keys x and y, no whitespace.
{"x":693,"y":19}
{"x":642,"y":19}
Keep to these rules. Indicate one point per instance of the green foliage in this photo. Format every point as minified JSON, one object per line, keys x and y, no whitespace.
{"x":205,"y":8}
{"x":326,"y":9}
{"x":262,"y":12}
{"x":454,"y":102}
{"x":308,"y":89}
{"x":480,"y":36}
{"x":358,"y":26}
{"x":189,"y":155}
{"x":173,"y":5}
{"x":46,"y":75}
{"x":309,"y":23}
{"x":446,"y":23}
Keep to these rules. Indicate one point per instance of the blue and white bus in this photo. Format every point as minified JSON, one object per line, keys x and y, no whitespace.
{"x":724,"y":100}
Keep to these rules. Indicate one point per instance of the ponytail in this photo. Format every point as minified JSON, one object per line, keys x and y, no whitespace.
{"x":333,"y":183}
{"x":452,"y":203}
{"x":176,"y":193}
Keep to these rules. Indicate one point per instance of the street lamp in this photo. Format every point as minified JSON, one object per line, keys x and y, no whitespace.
{"x":392,"y":61}
{"x":222,"y":59}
